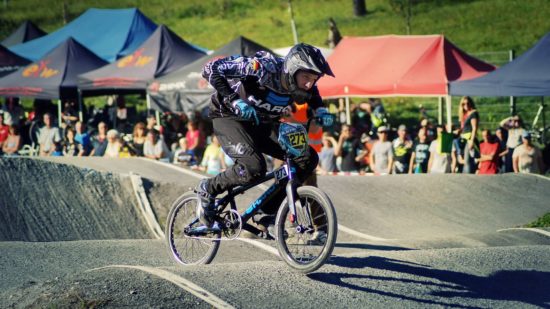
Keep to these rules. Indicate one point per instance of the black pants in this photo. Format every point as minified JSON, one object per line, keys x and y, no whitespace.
{"x":245,"y":143}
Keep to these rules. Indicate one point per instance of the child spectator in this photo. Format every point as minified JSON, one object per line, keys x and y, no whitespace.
{"x":420,"y":154}
{"x":72,"y":148}
{"x":13,"y":143}
{"x":439,"y":162}
{"x":402,"y":148}
{"x":113,"y":144}
{"x":48,"y":136}
{"x":4,"y":131}
{"x":213,"y":161}
{"x":83,"y":138}
{"x":196,"y":140}
{"x":488,"y":149}
{"x":182,"y":155}
{"x":155,"y":148}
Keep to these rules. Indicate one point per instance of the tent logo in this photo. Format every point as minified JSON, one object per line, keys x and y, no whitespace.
{"x":137,"y":59}
{"x":39,"y":70}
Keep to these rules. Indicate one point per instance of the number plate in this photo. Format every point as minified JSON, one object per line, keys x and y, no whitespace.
{"x":281,"y":173}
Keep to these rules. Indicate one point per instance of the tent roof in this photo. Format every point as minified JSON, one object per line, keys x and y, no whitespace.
{"x":27,"y":31}
{"x":189,"y":77}
{"x":163,"y":52}
{"x":54,"y":76}
{"x":527,"y":75}
{"x":397,"y":66}
{"x":108,"y":33}
{"x":10,"y":62}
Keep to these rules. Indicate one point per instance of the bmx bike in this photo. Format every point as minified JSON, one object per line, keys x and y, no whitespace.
{"x":305,"y":224}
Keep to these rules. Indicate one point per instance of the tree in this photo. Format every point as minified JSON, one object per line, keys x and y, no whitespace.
{"x":404,"y":8}
{"x":359,"y":8}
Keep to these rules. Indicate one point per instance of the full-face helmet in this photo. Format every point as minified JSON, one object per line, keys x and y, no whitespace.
{"x":308,"y":58}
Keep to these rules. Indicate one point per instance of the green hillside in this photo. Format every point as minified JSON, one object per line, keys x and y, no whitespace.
{"x":484,"y":28}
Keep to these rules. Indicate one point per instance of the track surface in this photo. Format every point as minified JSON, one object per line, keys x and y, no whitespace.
{"x":442,"y":240}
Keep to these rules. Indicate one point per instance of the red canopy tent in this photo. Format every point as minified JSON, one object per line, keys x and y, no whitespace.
{"x":396,"y":65}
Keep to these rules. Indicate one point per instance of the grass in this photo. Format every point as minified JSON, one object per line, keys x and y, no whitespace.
{"x":543,"y":221}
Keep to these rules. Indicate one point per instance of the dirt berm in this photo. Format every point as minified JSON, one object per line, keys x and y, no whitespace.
{"x":44,"y":201}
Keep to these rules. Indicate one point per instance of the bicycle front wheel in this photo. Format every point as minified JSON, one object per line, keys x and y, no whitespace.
{"x":187,"y":249}
{"x":305,"y":241}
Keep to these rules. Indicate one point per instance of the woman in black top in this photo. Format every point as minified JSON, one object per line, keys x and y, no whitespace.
{"x":469,"y":122}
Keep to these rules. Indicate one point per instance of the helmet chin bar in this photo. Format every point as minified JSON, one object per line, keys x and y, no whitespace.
{"x":299,"y":96}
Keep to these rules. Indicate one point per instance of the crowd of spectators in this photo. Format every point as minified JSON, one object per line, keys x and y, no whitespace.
{"x":367,"y":145}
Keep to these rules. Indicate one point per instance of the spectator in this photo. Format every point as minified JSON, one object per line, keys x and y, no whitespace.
{"x":360,"y":119}
{"x":327,"y":157}
{"x":13,"y":112}
{"x":195,"y":140}
{"x":430,"y":130}
{"x":349,"y":149}
{"x":502,"y":149}
{"x":526,"y":157}
{"x":213,"y":161}
{"x":99,"y":141}
{"x":334,"y":36}
{"x":457,"y":156}
{"x":114,"y":144}
{"x":469,"y":118}
{"x":420,"y":154}
{"x":367,"y":142}
{"x":4,"y":131}
{"x":13,"y":143}
{"x":72,"y":148}
{"x":439,"y":162}
{"x":182,"y":155}
{"x":402,"y":148}
{"x":121,"y":114}
{"x":489,"y":151}
{"x":69,"y":115}
{"x":514,"y":125}
{"x":138,"y":139}
{"x":377,"y":113}
{"x":382,"y":154}
{"x":155,"y":148}
{"x":83,"y":138}
{"x":48,"y":137}
{"x":152,"y":124}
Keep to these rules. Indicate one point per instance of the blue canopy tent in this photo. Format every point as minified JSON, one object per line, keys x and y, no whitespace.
{"x":108,"y":33}
{"x":527,"y":75}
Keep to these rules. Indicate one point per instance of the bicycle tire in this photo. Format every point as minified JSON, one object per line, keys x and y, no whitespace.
{"x":188,"y":250}
{"x":296,"y":250}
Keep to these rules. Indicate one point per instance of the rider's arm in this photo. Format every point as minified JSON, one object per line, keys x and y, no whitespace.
{"x":219,"y":71}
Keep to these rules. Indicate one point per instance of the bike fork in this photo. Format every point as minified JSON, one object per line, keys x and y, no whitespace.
{"x":294,"y":202}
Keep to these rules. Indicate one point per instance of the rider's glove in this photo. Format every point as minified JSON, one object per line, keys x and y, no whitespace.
{"x":323,"y":117}
{"x":245,"y":111}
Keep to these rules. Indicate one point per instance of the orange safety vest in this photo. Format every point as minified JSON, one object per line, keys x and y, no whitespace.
{"x":315,"y":134}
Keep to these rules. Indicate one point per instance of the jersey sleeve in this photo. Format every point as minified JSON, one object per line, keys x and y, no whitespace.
{"x":218,"y":73}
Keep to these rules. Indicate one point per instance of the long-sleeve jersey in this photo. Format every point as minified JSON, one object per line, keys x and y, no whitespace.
{"x":257,"y":80}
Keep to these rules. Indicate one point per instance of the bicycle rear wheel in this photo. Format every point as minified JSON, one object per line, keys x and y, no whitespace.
{"x":186,"y":249}
{"x":305,"y":247}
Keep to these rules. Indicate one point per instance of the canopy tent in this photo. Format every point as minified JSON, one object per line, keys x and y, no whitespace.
{"x":27,"y":31}
{"x":10,"y":62}
{"x":110,"y":34}
{"x":398,"y":66}
{"x":54,"y":76}
{"x":527,"y":75}
{"x":185,"y":89}
{"x":163,"y":52}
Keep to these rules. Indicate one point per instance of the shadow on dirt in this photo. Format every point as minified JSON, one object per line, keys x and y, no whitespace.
{"x":530,"y":287}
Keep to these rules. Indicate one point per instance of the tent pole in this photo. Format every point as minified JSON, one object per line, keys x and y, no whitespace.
{"x":348,"y":113}
{"x":543,"y":107}
{"x":59,"y":120}
{"x":512,"y":99}
{"x":449,"y":118}
{"x":80,"y":112}
{"x":148,"y":104}
{"x":440,"y":111}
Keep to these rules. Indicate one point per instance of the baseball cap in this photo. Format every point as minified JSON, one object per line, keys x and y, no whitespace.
{"x":402,"y":127}
{"x":382,"y":129}
{"x":526,"y":134}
